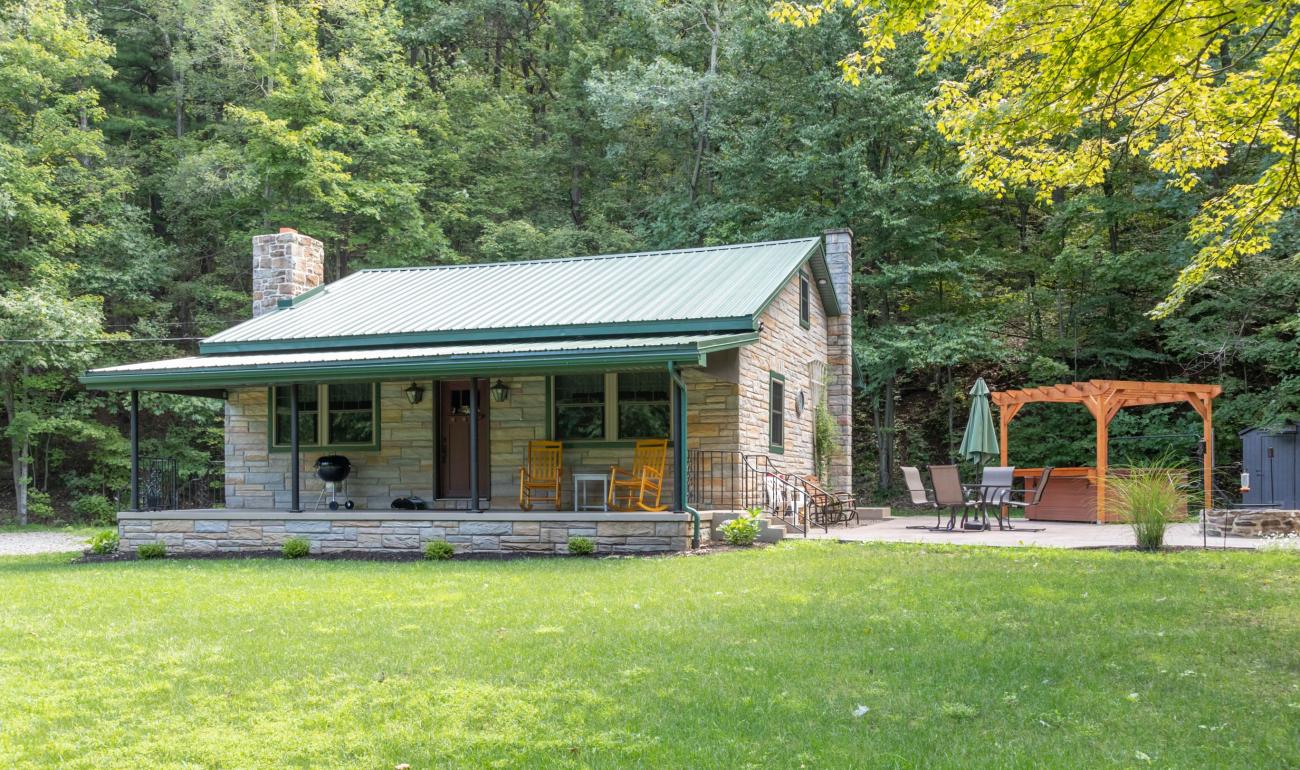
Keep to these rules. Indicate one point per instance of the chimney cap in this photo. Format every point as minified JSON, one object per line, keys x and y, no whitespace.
{"x":288,"y":230}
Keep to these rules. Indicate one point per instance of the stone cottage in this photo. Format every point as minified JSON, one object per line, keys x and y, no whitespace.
{"x":725,"y":351}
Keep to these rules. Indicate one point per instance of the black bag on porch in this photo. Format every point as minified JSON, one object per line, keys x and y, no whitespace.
{"x":412,"y":503}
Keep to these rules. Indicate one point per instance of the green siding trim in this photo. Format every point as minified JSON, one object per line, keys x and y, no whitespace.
{"x":374,"y":446}
{"x":535,"y":333}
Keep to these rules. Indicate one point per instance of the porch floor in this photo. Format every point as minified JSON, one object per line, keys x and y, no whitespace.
{"x":392,"y":514}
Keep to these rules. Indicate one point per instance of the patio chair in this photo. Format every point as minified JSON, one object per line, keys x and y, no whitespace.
{"x":641,"y":487}
{"x":825,"y":507}
{"x":948,"y":493}
{"x":992,"y":491}
{"x":919,"y":494}
{"x":541,"y":473}
{"x":1028,"y":498}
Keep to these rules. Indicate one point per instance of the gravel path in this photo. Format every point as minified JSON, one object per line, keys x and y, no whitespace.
{"x":24,"y":543}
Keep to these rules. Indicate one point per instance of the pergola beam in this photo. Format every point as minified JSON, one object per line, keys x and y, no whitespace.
{"x":1104,"y":399}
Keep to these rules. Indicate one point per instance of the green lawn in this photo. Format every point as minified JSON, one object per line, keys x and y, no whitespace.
{"x":965,"y":657}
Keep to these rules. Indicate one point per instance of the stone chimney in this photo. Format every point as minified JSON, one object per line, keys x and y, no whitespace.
{"x":839,"y":388}
{"x":285,"y":265}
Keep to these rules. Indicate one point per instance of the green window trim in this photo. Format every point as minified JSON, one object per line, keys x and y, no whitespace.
{"x":322,"y":422}
{"x":775,"y":413}
{"x":805,"y":301}
{"x":611,"y":413}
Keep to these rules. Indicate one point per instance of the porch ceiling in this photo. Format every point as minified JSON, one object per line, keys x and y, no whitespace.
{"x":205,"y":373}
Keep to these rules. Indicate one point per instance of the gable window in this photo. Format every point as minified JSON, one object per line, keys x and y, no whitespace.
{"x":805,"y":302}
{"x":341,"y":415}
{"x":611,"y":407}
{"x":776,"y":412}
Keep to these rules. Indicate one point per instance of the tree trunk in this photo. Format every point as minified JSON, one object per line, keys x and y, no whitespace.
{"x":19,"y":461}
{"x":715,"y":32}
{"x":885,"y":436}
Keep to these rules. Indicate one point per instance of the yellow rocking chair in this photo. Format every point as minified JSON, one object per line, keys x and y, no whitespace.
{"x":641,"y":487}
{"x":541,"y":473}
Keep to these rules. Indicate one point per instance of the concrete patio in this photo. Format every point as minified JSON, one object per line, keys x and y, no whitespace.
{"x":1053,"y":534}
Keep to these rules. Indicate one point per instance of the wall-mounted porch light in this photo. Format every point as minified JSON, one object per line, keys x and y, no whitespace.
{"x":414,"y":393}
{"x":500,"y":391}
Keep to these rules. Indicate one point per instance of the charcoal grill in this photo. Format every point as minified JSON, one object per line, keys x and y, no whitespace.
{"x":334,"y":471}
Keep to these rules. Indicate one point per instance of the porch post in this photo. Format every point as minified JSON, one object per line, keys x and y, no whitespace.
{"x":135,"y":450}
{"x":679,"y":441}
{"x":473,"y":445}
{"x":295,"y":505}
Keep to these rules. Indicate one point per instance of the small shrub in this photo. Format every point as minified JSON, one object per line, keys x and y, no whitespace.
{"x":1148,"y":498}
{"x":825,"y":433}
{"x":96,"y":509}
{"x":744,"y":529}
{"x":104,"y":543}
{"x":439,"y":550}
{"x":38,"y":505}
{"x":151,"y":551}
{"x":296,"y":548}
{"x":581,"y":546}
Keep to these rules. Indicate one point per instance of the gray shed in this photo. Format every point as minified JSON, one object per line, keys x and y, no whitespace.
{"x":1271,"y":459}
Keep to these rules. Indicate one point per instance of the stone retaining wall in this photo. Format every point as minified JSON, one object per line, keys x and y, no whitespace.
{"x":393,"y":531}
{"x":1251,"y":522}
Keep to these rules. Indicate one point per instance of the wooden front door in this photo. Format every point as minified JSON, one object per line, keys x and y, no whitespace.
{"x":453,"y":439}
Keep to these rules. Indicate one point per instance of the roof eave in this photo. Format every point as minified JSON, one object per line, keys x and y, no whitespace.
{"x":482,"y":364}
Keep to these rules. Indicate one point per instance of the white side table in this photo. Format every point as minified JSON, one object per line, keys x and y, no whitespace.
{"x":581,"y":485}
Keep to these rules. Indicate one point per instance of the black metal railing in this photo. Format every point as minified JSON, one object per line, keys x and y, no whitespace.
{"x":164,"y":485}
{"x":725,"y":480}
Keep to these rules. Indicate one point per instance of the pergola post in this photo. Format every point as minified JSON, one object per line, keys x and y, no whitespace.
{"x":1101,"y":411}
{"x":1205,"y":407}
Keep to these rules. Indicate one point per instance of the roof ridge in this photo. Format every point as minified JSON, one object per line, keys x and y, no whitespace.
{"x":588,"y":257}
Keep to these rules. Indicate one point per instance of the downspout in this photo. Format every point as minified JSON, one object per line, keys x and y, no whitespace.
{"x":679,"y":431}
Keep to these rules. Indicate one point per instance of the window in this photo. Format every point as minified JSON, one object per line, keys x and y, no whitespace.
{"x":580,"y":406}
{"x":644,"y":406}
{"x":776,"y":413}
{"x":805,"y":302}
{"x":328,"y":415}
{"x":611,"y":407}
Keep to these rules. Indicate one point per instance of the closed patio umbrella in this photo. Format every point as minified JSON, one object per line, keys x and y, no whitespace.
{"x":979,"y":444}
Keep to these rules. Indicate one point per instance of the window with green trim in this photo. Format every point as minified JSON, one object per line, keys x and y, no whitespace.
{"x":611,"y":407}
{"x":776,"y":412}
{"x":341,"y":415}
{"x":805,"y":302}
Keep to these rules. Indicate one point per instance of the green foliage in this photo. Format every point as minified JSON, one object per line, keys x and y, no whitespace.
{"x":439,"y":550}
{"x":1149,"y":498}
{"x":581,"y":546}
{"x":151,"y":551}
{"x":104,"y":542}
{"x":744,"y":529}
{"x":39,"y":506}
{"x":95,"y":509}
{"x":296,"y":548}
{"x":825,"y":434}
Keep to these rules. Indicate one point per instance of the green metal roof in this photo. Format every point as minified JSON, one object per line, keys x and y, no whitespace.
{"x":205,"y":373}
{"x":700,"y":290}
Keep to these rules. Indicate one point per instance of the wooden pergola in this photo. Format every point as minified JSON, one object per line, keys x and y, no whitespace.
{"x":1104,"y":399}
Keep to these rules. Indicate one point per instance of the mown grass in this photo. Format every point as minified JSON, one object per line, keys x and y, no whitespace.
{"x":964,"y":657}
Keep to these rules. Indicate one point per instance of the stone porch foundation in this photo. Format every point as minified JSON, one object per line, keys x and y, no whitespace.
{"x":228,"y":530}
{"x":1251,"y":522}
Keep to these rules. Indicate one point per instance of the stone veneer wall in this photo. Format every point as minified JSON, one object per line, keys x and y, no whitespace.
{"x":257,"y":478}
{"x":1251,"y":522}
{"x":786,"y":348}
{"x":839,"y":388}
{"x":285,"y":264}
{"x":185,"y":532}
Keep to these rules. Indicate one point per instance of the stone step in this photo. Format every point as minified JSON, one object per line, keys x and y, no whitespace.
{"x":770,"y":533}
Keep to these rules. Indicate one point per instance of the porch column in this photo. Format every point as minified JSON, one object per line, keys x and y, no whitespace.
{"x":135,"y":450}
{"x":473,"y":445}
{"x":295,"y":505}
{"x":679,"y":441}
